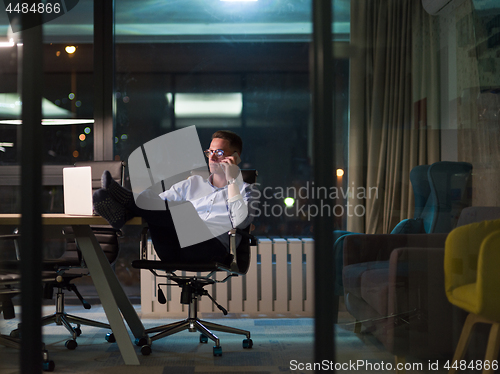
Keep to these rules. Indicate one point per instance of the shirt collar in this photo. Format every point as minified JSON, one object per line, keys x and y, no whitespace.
{"x":209,"y":181}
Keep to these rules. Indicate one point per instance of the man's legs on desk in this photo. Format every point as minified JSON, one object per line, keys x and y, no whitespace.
{"x":116,"y":204}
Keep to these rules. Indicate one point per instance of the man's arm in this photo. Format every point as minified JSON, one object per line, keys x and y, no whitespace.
{"x":241,"y":204}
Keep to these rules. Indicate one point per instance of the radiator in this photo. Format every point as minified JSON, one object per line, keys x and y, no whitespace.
{"x":280,"y":280}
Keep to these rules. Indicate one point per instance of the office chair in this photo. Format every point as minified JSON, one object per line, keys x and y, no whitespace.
{"x":471,"y":263}
{"x":61,"y":272}
{"x":193,"y":287}
{"x":9,"y":288}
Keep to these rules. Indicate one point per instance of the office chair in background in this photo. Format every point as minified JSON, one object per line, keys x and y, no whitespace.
{"x":395,"y":286}
{"x":59,"y":273}
{"x":440,"y":191}
{"x":193,"y":287}
{"x":471,"y":263}
{"x":9,"y":288}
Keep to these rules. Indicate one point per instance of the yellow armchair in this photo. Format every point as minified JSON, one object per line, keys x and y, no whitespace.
{"x":472,"y":282}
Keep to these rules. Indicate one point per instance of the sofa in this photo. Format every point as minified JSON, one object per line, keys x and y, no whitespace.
{"x":394,"y":287}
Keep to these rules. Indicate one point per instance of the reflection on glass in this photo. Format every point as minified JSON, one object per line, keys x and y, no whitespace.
{"x":208,"y":105}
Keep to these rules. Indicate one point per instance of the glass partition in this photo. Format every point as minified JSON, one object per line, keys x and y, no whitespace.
{"x":67,"y":109}
{"x":423,"y":136}
{"x":67,"y":103}
{"x":253,"y":53}
{"x":416,"y":144}
{"x":241,"y":66}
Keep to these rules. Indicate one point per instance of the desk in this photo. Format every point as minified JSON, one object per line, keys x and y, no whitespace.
{"x":113,"y":298}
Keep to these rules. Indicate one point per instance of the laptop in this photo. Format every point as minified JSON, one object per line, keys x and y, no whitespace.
{"x":77,"y":187}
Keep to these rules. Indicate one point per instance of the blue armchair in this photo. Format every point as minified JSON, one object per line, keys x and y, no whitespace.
{"x":441,"y":191}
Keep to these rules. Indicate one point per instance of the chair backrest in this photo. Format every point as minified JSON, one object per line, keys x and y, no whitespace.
{"x":249,"y":175}
{"x":450,"y":193}
{"x":474,"y":214}
{"x":9,"y":287}
{"x":116,"y":168}
{"x":441,"y":191}
{"x":243,"y":250}
{"x":421,"y":188}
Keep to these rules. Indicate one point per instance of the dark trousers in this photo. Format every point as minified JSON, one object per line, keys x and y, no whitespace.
{"x":165,"y":240}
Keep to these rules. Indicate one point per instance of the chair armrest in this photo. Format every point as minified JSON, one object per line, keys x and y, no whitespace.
{"x":245,"y":234}
{"x":10,"y":236}
{"x":144,"y":243}
{"x":416,"y":291}
{"x":11,"y":265}
{"x":378,"y":247}
{"x":489,"y":260}
{"x":462,"y":249}
{"x":13,"y":237}
{"x":422,"y":271}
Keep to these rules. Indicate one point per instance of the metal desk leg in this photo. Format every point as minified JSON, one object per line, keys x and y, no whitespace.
{"x":127,"y":309}
{"x":107,"y":284}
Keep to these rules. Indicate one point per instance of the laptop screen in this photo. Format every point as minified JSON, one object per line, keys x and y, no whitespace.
{"x":77,"y":186}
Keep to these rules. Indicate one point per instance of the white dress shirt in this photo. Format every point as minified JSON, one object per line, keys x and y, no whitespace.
{"x":219,"y":213}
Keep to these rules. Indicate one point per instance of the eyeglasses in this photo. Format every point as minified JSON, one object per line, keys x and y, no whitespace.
{"x":218,"y":153}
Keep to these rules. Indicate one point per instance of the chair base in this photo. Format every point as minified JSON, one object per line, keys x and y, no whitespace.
{"x":11,"y":342}
{"x":62,"y":318}
{"x":191,"y":293}
{"x":65,"y":320}
{"x":193,"y":325}
{"x":492,"y":348}
{"x":8,"y":341}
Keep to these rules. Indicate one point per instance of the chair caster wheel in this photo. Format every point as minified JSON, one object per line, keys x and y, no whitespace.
{"x":203,"y":338}
{"x":140,"y":342}
{"x":78,"y":331}
{"x":71,"y":344}
{"x":146,"y":350}
{"x":15,"y":334}
{"x":110,"y":337}
{"x":48,"y":366}
{"x":217,"y":351}
{"x":247,"y":343}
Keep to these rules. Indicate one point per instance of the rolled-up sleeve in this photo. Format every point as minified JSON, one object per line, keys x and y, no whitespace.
{"x":242,"y":205}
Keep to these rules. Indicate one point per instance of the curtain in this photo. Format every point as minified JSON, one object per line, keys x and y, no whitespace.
{"x":394,"y":106}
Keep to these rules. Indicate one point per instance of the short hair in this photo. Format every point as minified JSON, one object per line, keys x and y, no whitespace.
{"x":233,"y":139}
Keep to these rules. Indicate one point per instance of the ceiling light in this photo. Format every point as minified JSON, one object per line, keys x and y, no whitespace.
{"x":10,"y":107}
{"x":70,"y":49}
{"x":50,"y":122}
{"x":208,"y":105}
{"x":10,"y":43}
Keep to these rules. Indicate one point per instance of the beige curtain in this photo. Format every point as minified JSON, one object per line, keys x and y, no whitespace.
{"x":394,"y":106}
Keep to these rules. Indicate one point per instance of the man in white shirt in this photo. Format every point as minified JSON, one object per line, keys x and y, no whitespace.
{"x":223,"y":201}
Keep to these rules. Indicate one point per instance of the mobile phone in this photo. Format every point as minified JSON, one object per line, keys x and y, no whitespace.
{"x":237,"y":158}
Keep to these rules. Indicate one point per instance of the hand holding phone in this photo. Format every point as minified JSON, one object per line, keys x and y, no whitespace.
{"x":237,"y":158}
{"x":231,"y":170}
